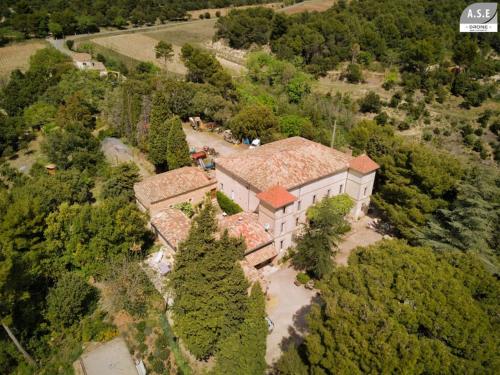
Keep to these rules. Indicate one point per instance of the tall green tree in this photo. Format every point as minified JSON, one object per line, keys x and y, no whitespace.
{"x":244,"y":351}
{"x":403,"y":309}
{"x":158,"y":144}
{"x":326,"y":225}
{"x":164,"y":50}
{"x":177,"y":147}
{"x":209,"y":286}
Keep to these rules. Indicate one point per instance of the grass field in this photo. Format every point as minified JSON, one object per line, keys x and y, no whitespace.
{"x":16,"y":56}
{"x":195,"y":14}
{"x":308,"y":6}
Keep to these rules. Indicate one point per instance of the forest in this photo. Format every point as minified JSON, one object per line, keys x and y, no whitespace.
{"x":424,"y":302}
{"x":419,"y":37}
{"x":38,"y":19}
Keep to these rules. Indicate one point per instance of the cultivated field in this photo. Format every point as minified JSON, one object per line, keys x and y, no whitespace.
{"x":308,"y":6}
{"x":17,"y":56}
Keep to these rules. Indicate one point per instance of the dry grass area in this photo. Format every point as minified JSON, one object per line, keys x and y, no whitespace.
{"x":373,"y":82}
{"x":140,"y":47}
{"x":195,"y":14}
{"x":308,"y":6}
{"x":17,"y":56}
{"x":196,"y":33}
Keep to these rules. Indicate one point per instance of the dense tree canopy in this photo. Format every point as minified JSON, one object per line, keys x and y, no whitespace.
{"x":38,"y":18}
{"x":210,"y":297}
{"x":398,"y":308}
{"x":317,"y":244}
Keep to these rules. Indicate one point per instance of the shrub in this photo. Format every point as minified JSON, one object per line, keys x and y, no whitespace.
{"x":186,"y":208}
{"x":207,"y":15}
{"x":70,"y":299}
{"x":217,"y":14}
{"x":70,"y":44}
{"x":227,"y":205}
{"x":354,"y":74}
{"x":303,"y":278}
{"x":370,"y":103}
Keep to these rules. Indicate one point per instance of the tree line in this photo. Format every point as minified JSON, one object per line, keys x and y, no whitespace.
{"x":41,"y":18}
{"x":419,"y":37}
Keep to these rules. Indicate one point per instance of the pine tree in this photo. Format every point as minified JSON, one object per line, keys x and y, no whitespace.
{"x":177,"y":147}
{"x":208,"y":285}
{"x":244,"y":351}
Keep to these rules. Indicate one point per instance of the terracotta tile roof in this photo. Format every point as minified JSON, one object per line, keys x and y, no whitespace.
{"x":261,"y":255}
{"x":289,"y":163}
{"x":363,"y":164}
{"x":172,"y":225}
{"x":246,"y":224}
{"x":170,"y":184}
{"x":276,"y":197}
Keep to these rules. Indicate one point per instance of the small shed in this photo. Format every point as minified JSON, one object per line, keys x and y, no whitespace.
{"x":110,"y":358}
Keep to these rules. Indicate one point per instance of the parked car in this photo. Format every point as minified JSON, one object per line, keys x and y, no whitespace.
{"x":270,"y":324}
{"x":255,"y":143}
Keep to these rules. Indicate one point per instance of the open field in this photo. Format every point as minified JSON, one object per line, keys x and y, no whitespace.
{"x":16,"y":56}
{"x":140,"y":46}
{"x":308,"y":6}
{"x":195,"y":14}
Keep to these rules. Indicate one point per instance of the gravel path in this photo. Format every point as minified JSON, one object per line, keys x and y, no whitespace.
{"x":118,"y":152}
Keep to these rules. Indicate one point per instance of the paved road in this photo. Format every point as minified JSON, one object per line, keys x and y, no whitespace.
{"x":287,"y":307}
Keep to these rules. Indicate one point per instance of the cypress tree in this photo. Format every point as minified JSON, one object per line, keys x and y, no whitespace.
{"x":208,"y":285}
{"x":244,"y":351}
{"x":159,"y":129}
{"x":177,"y":147}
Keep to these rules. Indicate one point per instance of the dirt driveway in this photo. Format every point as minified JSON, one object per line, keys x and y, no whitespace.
{"x":118,"y":152}
{"x":198,"y":139}
{"x":287,"y":307}
{"x":362,"y":234}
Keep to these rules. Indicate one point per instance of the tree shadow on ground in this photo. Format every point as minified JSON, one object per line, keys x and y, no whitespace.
{"x":299,"y":328}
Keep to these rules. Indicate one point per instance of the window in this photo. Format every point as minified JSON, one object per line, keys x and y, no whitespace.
{"x":314,"y":198}
{"x":282,"y":243}
{"x":340,"y":188}
{"x":364,"y":191}
{"x":298,"y":206}
{"x":232,"y":194}
{"x":284,"y":210}
{"x":297,"y":222}
{"x":328,"y":193}
{"x":282,"y":227}
{"x":221,"y":186}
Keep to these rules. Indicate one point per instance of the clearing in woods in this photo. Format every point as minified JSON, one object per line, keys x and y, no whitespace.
{"x":140,"y":46}
{"x":17,"y":56}
{"x":308,"y":6}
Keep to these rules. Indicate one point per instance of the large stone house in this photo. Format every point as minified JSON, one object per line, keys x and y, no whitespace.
{"x":281,"y":180}
{"x":275,"y":184}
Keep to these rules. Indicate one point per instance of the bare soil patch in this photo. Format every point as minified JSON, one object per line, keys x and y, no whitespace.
{"x":223,"y":11}
{"x":17,"y":56}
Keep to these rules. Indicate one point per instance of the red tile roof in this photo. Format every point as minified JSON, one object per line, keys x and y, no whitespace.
{"x":277,"y":197}
{"x":172,"y":225}
{"x":290,"y":163}
{"x":246,"y":224}
{"x":262,"y":255}
{"x":170,"y":184}
{"x":363,"y":164}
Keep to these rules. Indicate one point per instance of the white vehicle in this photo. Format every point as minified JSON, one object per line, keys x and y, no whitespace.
{"x":270,"y":324}
{"x":255,"y":143}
